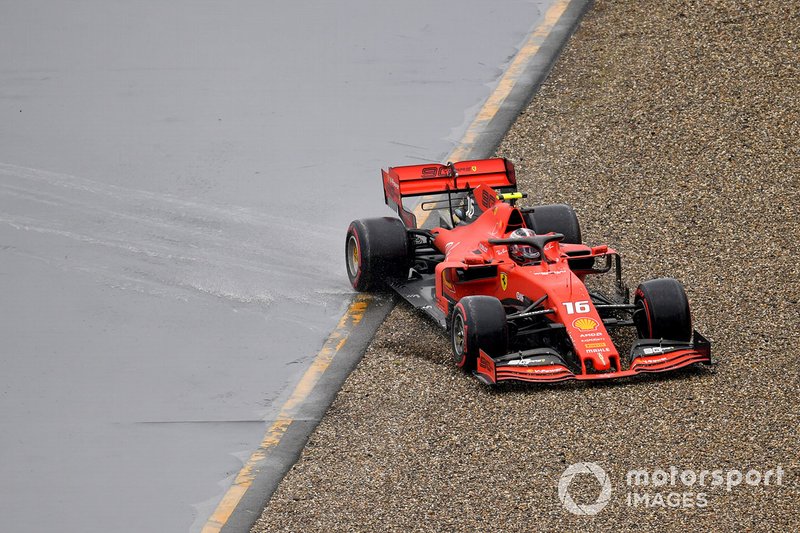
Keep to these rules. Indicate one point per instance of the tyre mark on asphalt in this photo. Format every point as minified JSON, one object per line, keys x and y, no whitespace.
{"x":160,"y":244}
{"x":339,"y":336}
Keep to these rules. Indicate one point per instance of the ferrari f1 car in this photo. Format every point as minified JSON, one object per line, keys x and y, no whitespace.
{"x":510,"y":285}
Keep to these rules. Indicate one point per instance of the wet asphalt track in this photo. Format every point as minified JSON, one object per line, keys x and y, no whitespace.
{"x":175,"y":181}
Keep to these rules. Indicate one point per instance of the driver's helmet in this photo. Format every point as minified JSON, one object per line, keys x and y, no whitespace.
{"x":523,"y":253}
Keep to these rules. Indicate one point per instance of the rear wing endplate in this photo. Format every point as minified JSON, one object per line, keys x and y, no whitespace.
{"x":421,"y":180}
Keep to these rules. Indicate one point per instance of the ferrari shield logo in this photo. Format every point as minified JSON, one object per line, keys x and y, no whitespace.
{"x":504,"y":280}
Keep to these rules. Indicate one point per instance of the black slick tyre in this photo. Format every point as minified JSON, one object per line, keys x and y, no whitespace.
{"x":478,"y":323}
{"x":662,"y":310}
{"x":559,"y":218}
{"x":376,"y":253}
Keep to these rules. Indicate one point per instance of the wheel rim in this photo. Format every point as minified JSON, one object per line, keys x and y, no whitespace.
{"x":459,"y":340}
{"x":641,"y":319}
{"x":352,"y":256}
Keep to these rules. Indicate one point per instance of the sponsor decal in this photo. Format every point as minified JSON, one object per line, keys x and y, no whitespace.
{"x":656,"y":361}
{"x":503,"y":280}
{"x":595,"y":345}
{"x":437,"y":171}
{"x":449,"y":246}
{"x":525,"y":362}
{"x":482,"y":247}
{"x":487,"y":200}
{"x":474,"y":168}
{"x":520,"y":297}
{"x":585,"y":324}
{"x":546,"y":370}
{"x":590,"y":335}
{"x":658,"y":350}
{"x":500,"y":251}
{"x":486,"y":366}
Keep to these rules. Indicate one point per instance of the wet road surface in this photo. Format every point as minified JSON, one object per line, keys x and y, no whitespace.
{"x":175,"y":182}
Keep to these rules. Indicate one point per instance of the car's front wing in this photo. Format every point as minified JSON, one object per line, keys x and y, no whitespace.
{"x":546,"y":366}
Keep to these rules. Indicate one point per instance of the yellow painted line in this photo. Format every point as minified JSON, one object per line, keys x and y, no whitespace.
{"x":504,"y":87}
{"x":509,"y":78}
{"x":244,"y":479}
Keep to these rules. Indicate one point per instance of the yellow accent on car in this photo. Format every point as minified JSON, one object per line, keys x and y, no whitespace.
{"x":585,"y":324}
{"x":509,"y":196}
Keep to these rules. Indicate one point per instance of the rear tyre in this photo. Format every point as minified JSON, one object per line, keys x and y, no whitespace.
{"x":662,"y":310}
{"x":559,"y":218}
{"x":478,"y":323}
{"x":376,"y":253}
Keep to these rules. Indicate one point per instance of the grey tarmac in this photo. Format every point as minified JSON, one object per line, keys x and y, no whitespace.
{"x":175,"y":182}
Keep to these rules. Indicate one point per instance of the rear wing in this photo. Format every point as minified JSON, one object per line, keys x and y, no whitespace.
{"x":420,"y":180}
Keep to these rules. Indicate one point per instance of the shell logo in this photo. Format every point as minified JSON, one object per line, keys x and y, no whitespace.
{"x":585,"y":324}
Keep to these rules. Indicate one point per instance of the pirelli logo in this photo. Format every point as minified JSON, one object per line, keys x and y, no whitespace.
{"x":595,"y":345}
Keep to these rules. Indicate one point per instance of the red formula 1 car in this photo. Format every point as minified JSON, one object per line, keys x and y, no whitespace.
{"x":511,"y":285}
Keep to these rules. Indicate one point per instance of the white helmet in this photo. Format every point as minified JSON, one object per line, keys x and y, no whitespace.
{"x":523,"y":253}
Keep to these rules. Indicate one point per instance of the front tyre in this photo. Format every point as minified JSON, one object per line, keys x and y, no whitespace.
{"x":478,"y":323}
{"x":376,"y":253}
{"x":662,"y":310}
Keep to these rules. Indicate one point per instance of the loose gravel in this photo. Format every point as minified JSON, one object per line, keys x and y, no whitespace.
{"x":672,"y":128}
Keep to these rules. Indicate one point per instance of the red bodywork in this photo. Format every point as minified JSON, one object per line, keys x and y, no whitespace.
{"x":554,"y":373}
{"x":419,"y":180}
{"x":474,"y":266}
